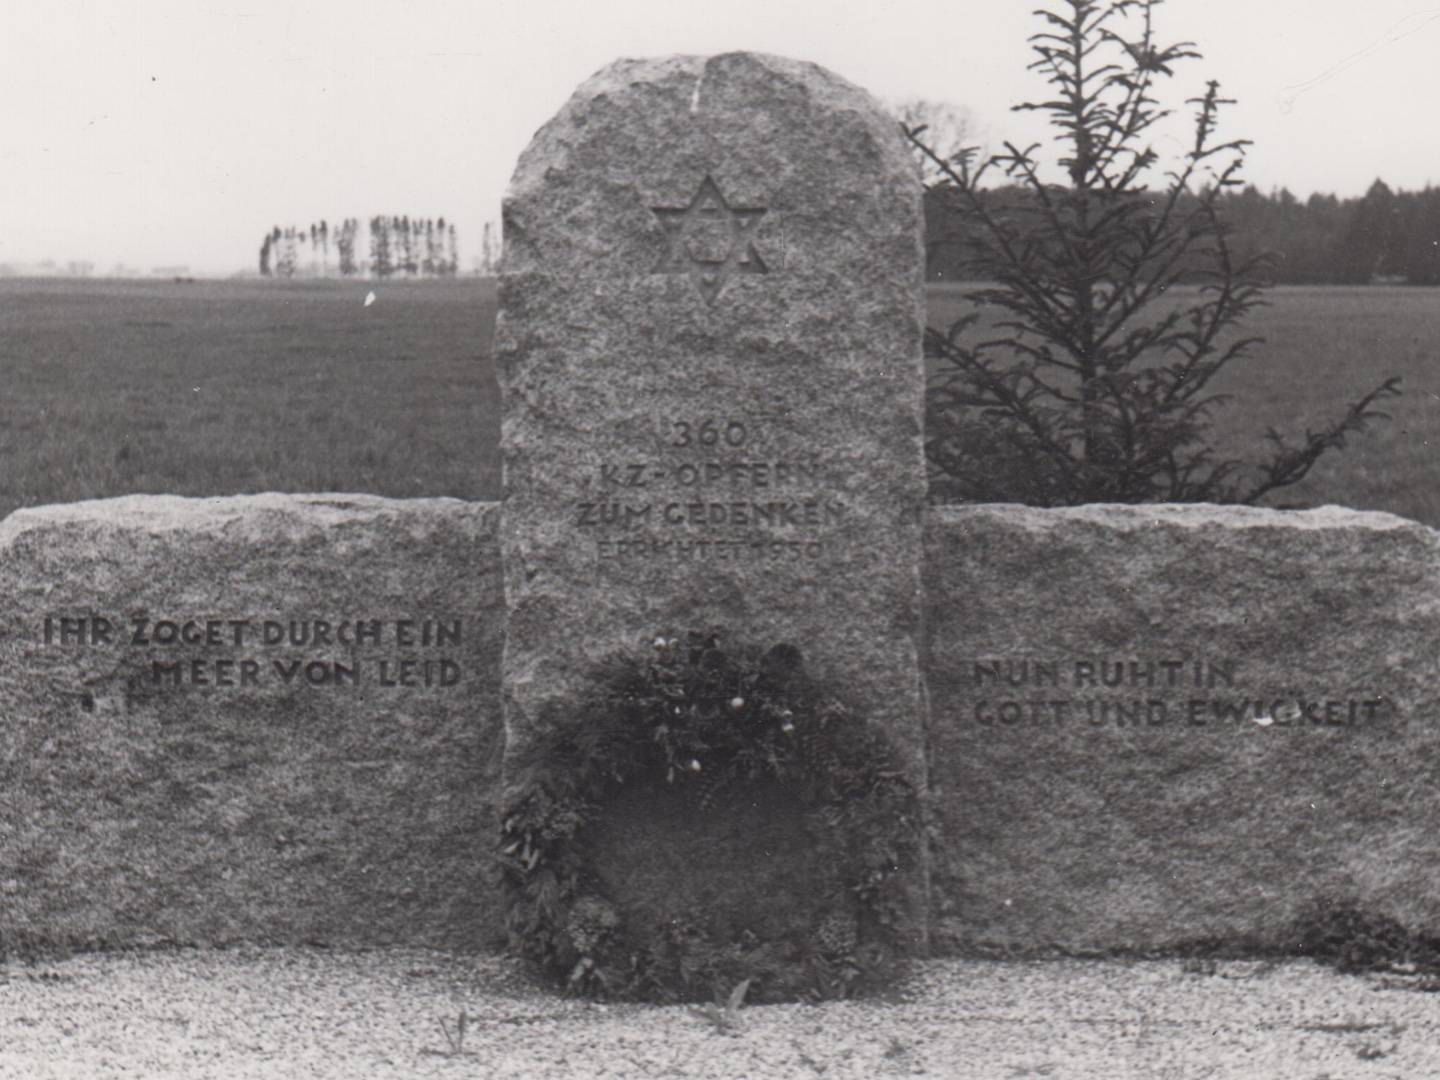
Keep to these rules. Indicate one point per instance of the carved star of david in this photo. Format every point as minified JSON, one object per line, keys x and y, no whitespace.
{"x":710,"y":239}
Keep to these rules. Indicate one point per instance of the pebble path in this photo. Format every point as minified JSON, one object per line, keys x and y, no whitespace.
{"x":278,"y":1013}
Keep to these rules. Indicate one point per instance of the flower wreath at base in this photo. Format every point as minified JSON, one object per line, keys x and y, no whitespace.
{"x":698,"y":717}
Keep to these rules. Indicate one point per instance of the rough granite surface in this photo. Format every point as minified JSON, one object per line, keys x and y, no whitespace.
{"x":254,"y":791}
{"x":1159,"y":724}
{"x":135,"y":812}
{"x":709,"y":345}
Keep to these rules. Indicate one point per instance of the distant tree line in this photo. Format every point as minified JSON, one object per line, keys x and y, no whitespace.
{"x":1383,"y":236}
{"x":398,"y":245}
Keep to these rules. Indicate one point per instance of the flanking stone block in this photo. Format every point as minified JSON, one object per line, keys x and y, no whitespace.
{"x":1156,"y":724}
{"x":268,"y":718}
{"x":709,"y":343}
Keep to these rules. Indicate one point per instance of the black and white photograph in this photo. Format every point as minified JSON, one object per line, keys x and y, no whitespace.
{"x":739,"y":539}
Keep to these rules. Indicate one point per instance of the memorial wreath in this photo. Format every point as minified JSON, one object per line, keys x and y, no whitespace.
{"x":694,"y":718}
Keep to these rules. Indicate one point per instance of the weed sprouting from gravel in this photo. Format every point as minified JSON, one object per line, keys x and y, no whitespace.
{"x":724,"y":1018}
{"x":455,"y":1033}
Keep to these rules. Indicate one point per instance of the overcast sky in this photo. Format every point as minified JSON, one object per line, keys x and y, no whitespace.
{"x":178,"y":131}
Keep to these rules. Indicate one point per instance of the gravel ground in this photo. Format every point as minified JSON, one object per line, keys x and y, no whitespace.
{"x":237,"y":1014}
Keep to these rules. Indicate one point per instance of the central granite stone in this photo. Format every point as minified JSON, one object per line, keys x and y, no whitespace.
{"x":710,"y":328}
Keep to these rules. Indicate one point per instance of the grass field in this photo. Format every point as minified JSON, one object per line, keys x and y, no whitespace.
{"x":217,"y":388}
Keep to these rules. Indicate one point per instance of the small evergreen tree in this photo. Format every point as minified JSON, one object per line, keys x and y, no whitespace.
{"x":1094,"y":383}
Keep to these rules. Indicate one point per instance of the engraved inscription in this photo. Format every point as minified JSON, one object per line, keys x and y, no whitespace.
{"x":710,"y":240}
{"x":1159,"y":693}
{"x":709,"y":433}
{"x":709,"y":514}
{"x":332,"y":657}
{"x":710,"y":494}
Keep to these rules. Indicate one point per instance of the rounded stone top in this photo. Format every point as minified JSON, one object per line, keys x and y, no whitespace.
{"x":749,"y":97}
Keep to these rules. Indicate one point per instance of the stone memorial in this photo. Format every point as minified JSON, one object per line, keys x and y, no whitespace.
{"x":288,"y":719}
{"x":1156,"y":725}
{"x":267,"y":718}
{"x":709,"y":344}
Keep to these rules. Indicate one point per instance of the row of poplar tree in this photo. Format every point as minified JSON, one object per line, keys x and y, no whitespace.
{"x":398,"y":245}
{"x":1383,"y":236}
